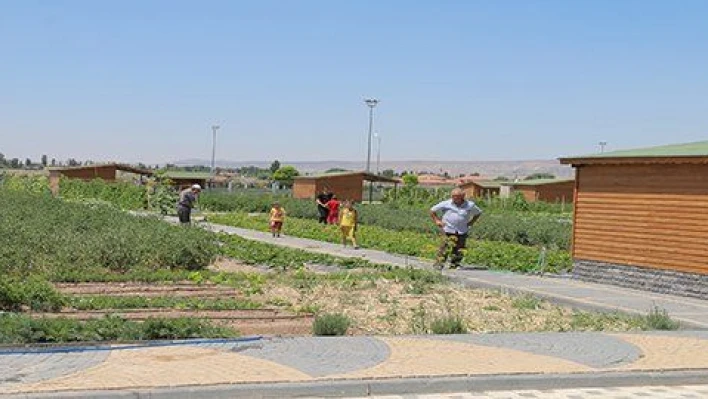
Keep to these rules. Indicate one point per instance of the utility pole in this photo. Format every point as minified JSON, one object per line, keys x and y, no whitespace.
{"x":371,"y":103}
{"x":214,"y":128}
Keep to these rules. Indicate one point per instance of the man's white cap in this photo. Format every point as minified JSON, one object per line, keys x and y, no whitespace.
{"x":196,"y":187}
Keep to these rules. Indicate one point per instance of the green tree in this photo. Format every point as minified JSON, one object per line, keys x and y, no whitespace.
{"x":541,"y":175}
{"x":410,"y":180}
{"x":501,"y":178}
{"x":274,"y":166}
{"x":390,"y":173}
{"x":286,"y":175}
{"x":28,"y":162}
{"x":44,"y":160}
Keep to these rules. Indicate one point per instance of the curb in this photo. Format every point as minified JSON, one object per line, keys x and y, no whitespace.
{"x":396,"y":386}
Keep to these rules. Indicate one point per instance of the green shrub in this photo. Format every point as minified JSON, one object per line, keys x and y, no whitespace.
{"x":448,"y":325}
{"x":659,"y":319}
{"x":331,"y":324}
{"x":33,"y":293}
{"x":22,"y":329}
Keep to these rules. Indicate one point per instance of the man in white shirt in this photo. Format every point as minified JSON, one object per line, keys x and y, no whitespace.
{"x":458,"y":216}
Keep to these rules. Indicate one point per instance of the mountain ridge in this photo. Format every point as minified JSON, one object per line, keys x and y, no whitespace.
{"x":454,"y":168}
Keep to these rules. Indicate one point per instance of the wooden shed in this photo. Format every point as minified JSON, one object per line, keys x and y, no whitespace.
{"x":183,"y":179}
{"x":481,"y":188}
{"x":547,"y":190}
{"x":107,"y":172}
{"x":641,"y":218}
{"x":345,"y":185}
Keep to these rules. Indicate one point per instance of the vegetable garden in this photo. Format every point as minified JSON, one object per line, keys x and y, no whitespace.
{"x":81,"y":268}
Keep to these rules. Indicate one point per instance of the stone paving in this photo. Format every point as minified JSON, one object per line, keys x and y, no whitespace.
{"x":327,"y":359}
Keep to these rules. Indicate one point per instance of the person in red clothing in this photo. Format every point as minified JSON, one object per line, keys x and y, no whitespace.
{"x":333,"y":206}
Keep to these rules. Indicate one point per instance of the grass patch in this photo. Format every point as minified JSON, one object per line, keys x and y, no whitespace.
{"x":526,"y":302}
{"x":139,"y":302}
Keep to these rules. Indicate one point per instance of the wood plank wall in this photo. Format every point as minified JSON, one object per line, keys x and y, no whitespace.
{"x":643,"y":215}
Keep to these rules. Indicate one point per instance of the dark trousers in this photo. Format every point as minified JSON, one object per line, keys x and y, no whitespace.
{"x":454,"y":244}
{"x":184,"y":214}
{"x":323,"y":212}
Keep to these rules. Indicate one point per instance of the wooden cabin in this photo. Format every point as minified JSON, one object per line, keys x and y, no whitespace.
{"x":547,"y":190}
{"x":641,"y":218}
{"x":345,"y":185}
{"x":484,"y":189}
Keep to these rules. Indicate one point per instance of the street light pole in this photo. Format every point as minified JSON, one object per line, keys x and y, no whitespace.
{"x":214,"y":128}
{"x":371,"y":103}
{"x":378,"y":152}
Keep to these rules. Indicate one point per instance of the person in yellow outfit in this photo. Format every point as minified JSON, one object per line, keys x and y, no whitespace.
{"x":348,"y":219}
{"x":277,"y":217}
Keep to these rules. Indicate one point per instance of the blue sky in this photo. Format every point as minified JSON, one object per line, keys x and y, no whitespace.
{"x":457,"y":79}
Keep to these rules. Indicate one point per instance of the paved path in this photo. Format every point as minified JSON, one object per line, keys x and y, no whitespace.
{"x":360,"y":366}
{"x":692,"y":313}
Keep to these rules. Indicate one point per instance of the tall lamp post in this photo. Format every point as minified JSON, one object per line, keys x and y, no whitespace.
{"x":377,"y":136}
{"x":371,"y":103}
{"x":214,"y":128}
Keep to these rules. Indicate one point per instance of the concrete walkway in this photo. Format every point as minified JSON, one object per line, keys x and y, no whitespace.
{"x":357,"y":366}
{"x":692,"y":313}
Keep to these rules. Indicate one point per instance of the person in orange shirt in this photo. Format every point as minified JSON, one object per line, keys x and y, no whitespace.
{"x":348,"y":222}
{"x":277,"y":217}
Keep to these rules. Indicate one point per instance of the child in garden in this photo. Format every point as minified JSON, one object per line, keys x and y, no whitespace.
{"x":348,"y":223}
{"x":277,"y":216}
{"x":333,"y":206}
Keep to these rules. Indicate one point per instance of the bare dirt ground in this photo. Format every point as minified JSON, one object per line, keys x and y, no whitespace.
{"x":375,"y":305}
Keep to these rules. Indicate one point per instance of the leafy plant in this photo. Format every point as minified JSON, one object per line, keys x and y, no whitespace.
{"x":659,"y":319}
{"x":18,"y":328}
{"x":331,"y":324}
{"x":448,"y":325}
{"x":34,"y":293}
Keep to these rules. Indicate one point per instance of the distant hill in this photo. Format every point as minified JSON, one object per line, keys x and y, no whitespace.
{"x":454,"y":168}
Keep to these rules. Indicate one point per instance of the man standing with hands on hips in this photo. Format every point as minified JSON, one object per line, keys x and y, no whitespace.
{"x":454,"y":217}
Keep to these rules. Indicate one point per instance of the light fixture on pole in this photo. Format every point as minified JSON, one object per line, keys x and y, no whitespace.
{"x":214,"y":128}
{"x":371,"y":103}
{"x":602,"y":146}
